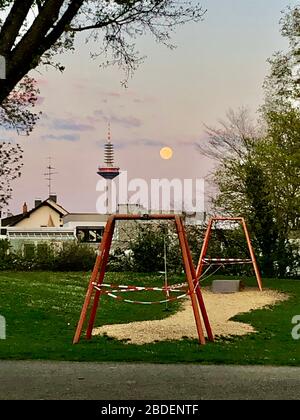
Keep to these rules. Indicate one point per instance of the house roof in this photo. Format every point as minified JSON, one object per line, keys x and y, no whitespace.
{"x":14,"y":220}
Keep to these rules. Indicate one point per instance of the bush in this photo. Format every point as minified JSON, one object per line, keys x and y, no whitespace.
{"x":120,"y":260}
{"x":145,"y":249}
{"x":75,"y":257}
{"x":148,"y":249}
{"x":44,"y":256}
{"x":5,"y":256}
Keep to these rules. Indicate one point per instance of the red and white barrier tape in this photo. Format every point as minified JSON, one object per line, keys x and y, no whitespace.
{"x":226,"y":261}
{"x":146,"y":303}
{"x":121,"y":288}
{"x":126,"y":289}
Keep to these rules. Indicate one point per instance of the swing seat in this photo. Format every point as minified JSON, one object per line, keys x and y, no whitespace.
{"x":227,"y":286}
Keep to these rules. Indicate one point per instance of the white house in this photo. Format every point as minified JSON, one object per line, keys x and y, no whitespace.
{"x":44,"y":214}
{"x":43,"y":223}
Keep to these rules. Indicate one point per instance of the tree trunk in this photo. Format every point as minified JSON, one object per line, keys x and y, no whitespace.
{"x":11,"y":27}
{"x":45,"y":31}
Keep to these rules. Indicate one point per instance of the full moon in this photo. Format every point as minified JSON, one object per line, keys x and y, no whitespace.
{"x":166,"y":153}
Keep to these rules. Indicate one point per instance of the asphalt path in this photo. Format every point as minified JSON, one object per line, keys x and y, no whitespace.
{"x":39,"y":380}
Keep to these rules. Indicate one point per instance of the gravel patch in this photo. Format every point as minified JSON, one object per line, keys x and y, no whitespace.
{"x":220,"y":307}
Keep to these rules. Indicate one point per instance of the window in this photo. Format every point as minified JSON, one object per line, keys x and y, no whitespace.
{"x":89,"y":235}
{"x":29,"y":251}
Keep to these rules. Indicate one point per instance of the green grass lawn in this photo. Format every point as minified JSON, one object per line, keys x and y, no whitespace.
{"x":42,"y":310}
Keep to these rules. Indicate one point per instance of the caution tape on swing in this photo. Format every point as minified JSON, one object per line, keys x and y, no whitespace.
{"x":159,"y":302}
{"x":177,"y":288}
{"x":120,"y":289}
{"x":226,"y":261}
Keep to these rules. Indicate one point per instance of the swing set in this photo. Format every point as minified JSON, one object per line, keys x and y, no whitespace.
{"x":221,"y":262}
{"x":192,"y":288}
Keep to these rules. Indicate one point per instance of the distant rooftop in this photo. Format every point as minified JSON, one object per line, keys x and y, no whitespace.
{"x":85,"y":217}
{"x":13,"y":220}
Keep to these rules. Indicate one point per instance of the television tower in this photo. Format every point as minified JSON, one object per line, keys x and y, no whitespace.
{"x":109,"y":171}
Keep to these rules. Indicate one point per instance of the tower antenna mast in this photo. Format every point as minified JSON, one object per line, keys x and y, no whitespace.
{"x":50,"y":172}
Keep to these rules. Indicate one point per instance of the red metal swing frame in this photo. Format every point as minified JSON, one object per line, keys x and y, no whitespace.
{"x":93,"y":295}
{"x":207,"y":238}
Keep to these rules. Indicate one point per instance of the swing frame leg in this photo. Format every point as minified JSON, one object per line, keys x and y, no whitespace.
{"x":100,"y":282}
{"x":188,"y":271}
{"x":197,"y":288}
{"x":89,"y":294}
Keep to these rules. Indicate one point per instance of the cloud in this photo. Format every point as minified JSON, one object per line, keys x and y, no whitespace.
{"x":135,"y":96}
{"x":70,"y":125}
{"x":190,"y":143}
{"x":64,"y":137}
{"x":123,"y":144}
{"x":127,"y":122}
{"x":149,"y":143}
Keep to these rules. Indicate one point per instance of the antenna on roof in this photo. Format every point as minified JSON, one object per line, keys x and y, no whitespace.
{"x":49,"y":175}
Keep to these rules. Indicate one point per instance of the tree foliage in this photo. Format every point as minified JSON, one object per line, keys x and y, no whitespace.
{"x":10,"y":167}
{"x":234,"y":137}
{"x":263,"y":186}
{"x":16,"y":111}
{"x":34,"y":32}
{"x":259,"y":164}
{"x":283,"y":83}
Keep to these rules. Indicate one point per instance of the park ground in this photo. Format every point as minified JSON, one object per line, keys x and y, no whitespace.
{"x":42,"y":310}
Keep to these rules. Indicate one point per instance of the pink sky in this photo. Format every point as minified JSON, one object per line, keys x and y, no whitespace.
{"x":219,"y":64}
